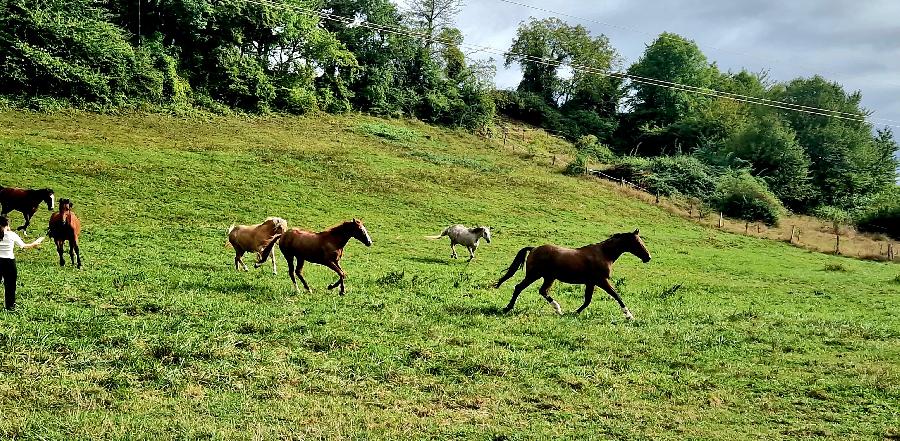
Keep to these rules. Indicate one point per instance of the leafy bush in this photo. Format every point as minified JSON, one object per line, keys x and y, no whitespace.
{"x":882,"y":214}
{"x":67,"y":49}
{"x":668,"y":175}
{"x":578,"y":166}
{"x":590,"y":146}
{"x":297,"y":99}
{"x":742,"y":196}
{"x":685,"y":175}
{"x":241,"y":82}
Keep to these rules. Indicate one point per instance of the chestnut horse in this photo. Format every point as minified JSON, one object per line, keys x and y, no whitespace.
{"x":589,"y":266}
{"x":325,"y":248}
{"x":25,"y":201}
{"x":65,"y":226}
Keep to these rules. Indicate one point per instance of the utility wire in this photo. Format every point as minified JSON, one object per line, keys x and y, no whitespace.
{"x":355,"y":21}
{"x":639,"y":31}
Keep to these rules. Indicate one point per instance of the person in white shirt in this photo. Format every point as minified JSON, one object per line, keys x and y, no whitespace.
{"x":8,"y":273}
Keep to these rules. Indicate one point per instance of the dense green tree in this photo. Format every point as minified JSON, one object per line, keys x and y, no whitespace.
{"x":771,"y":152}
{"x":847,"y":162}
{"x":560,"y":43}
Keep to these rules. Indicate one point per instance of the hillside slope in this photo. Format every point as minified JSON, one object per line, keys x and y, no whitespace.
{"x":158,"y":337}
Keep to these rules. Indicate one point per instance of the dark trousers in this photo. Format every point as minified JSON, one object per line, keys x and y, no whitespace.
{"x":9,"y":274}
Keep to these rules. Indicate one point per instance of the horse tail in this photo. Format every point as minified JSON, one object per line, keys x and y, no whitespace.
{"x":443,"y":233}
{"x":228,"y":239}
{"x":515,"y":266}
{"x":268,"y":250}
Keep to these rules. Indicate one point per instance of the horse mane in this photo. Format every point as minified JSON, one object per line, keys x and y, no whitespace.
{"x":277,"y":220}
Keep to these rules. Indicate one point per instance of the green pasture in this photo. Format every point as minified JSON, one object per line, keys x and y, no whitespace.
{"x":159,"y":338}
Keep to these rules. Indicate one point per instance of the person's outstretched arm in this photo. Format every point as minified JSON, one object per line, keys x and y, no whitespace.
{"x":35,"y":244}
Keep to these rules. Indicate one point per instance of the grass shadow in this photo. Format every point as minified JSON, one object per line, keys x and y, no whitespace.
{"x":432,"y":260}
{"x":485,"y":310}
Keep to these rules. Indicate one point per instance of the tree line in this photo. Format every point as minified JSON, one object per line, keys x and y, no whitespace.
{"x":261,"y":56}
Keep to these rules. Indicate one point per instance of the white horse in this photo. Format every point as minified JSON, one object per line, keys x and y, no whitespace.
{"x":469,"y":237}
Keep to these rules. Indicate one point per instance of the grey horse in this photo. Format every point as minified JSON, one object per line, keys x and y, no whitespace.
{"x":468,"y":237}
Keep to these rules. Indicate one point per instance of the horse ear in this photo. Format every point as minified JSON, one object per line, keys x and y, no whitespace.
{"x":637,"y":232}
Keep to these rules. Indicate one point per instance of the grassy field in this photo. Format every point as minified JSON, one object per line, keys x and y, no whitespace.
{"x":159,"y":338}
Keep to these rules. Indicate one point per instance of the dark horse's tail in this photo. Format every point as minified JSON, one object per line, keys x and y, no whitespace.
{"x":268,"y":250}
{"x":516,"y":264}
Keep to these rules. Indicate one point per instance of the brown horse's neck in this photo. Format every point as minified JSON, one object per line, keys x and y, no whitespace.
{"x":341,"y":234}
{"x":612,"y":249}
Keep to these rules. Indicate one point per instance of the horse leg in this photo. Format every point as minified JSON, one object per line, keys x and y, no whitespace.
{"x":471,"y":253}
{"x":453,"y":249}
{"x":290,"y":262}
{"x":588,"y":295}
{"x":24,"y":227}
{"x":300,"y":274}
{"x":239,"y":260}
{"x":77,"y":251}
{"x":525,"y":283}
{"x":59,"y":250}
{"x":71,"y":251}
{"x":340,"y":281}
{"x":612,"y":292}
{"x":545,"y":292}
{"x":274,"y":261}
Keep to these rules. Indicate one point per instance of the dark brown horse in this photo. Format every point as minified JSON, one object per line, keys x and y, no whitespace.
{"x":589,"y":266}
{"x":325,"y":248}
{"x":25,"y":201}
{"x":65,"y":226}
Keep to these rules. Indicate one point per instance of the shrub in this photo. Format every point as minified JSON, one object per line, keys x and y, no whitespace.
{"x":67,"y":49}
{"x":297,"y":99}
{"x":590,"y":146}
{"x":685,"y":175}
{"x":742,"y":196}
{"x":668,"y":175}
{"x":881,"y":214}
{"x":241,"y":82}
{"x":578,"y":166}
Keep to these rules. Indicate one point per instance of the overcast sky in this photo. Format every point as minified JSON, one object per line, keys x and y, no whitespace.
{"x":856,"y":43}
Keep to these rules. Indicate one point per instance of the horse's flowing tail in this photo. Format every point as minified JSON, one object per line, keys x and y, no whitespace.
{"x":228,"y":233}
{"x":268,"y":250}
{"x":443,"y":233}
{"x":516,"y":264}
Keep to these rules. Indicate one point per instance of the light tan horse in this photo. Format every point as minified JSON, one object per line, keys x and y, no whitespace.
{"x":589,"y":266}
{"x":254,"y":238}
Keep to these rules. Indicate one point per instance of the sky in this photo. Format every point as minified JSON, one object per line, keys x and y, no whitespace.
{"x":856,"y":43}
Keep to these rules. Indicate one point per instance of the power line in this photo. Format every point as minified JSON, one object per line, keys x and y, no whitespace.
{"x":355,"y":21}
{"x":870,"y":118}
{"x":639,"y":31}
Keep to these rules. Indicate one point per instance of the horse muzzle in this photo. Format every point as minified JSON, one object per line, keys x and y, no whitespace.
{"x":646,"y":260}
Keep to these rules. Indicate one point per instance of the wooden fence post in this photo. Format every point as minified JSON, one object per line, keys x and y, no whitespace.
{"x":798,"y":235}
{"x":757,"y":229}
{"x":837,"y":241}
{"x":721,"y":223}
{"x":890,"y":251}
{"x":746,"y":227}
{"x":657,"y":197}
{"x":791,"y":240}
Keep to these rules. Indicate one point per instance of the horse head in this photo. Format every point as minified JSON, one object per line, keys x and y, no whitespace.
{"x":636,"y":246}
{"x":361,"y":234}
{"x":65,"y":205}
{"x":485,"y":233}
{"x":279,"y":225}
{"x":49,"y":198}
